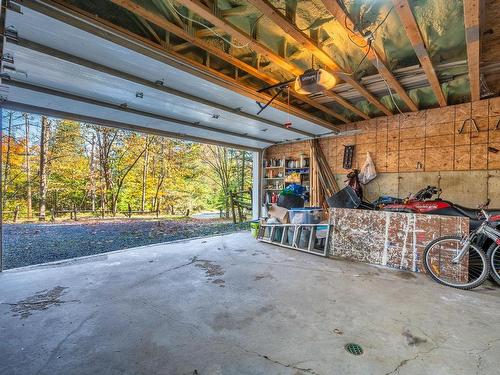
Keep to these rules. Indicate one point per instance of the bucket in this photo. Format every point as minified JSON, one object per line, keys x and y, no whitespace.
{"x":254,"y":228}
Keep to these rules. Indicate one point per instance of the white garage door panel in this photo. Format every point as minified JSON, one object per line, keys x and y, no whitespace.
{"x":50,"y":32}
{"x":53,"y":73}
{"x":67,"y":105}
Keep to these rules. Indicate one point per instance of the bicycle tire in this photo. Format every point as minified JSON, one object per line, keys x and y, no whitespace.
{"x":465,"y":286}
{"x":494,"y":260}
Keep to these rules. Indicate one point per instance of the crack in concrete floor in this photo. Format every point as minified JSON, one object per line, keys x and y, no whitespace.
{"x":404,"y":362}
{"x":288,"y":365}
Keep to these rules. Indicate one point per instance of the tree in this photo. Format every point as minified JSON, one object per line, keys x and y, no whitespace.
{"x":223,"y":168}
{"x":145,"y":174}
{"x":89,"y":167}
{"x":129,"y":159}
{"x":44,"y":139}
{"x":29,"y":202}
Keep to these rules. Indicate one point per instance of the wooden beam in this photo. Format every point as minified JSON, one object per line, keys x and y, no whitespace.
{"x":203,"y":33}
{"x":150,"y":29}
{"x":76,"y":17}
{"x":181,"y":47}
{"x":409,"y":22}
{"x":170,"y":27}
{"x":167,"y":25}
{"x":343,"y":19}
{"x":243,"y":38}
{"x":472,"y":10}
{"x":337,"y":98}
{"x":280,"y":19}
{"x":235,"y":11}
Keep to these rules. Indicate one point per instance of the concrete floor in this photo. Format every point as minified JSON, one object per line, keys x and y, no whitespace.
{"x":230,"y":305}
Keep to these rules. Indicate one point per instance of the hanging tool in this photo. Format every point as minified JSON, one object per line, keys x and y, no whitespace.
{"x":473,"y":125}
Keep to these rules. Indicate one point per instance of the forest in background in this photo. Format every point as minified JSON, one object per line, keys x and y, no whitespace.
{"x":53,"y":167}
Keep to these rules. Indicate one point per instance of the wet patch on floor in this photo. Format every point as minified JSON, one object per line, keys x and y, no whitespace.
{"x":413,"y":340}
{"x":40,"y":301}
{"x":238,"y":320}
{"x":212,"y":270}
{"x":220,"y":282}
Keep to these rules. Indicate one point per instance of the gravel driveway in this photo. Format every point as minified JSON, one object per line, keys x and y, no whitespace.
{"x":27,"y":244}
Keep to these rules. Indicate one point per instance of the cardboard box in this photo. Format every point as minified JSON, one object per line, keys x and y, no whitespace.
{"x":279,"y":213}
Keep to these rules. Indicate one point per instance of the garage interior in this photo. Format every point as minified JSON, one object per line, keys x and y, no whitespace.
{"x":415,"y":87}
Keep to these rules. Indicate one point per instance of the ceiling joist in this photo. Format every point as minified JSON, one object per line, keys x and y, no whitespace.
{"x":291,"y":29}
{"x":203,"y":11}
{"x":167,"y":25}
{"x":151,"y":85}
{"x":178,"y":60}
{"x":472,"y":11}
{"x":413,"y":32}
{"x":343,"y":18}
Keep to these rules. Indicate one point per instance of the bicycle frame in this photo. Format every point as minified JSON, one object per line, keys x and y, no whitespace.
{"x":485,"y":229}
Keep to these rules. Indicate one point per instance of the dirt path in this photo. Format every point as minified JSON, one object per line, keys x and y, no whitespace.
{"x":27,"y":244}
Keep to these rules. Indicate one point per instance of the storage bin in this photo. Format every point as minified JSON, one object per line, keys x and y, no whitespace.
{"x":307,"y":215}
{"x":254,"y":228}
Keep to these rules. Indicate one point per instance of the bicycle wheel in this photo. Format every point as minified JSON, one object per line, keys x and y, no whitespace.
{"x":494,"y":258}
{"x":468,"y":273}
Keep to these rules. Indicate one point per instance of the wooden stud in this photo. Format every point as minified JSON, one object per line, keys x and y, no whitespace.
{"x":472,"y":11}
{"x":403,"y":9}
{"x":161,"y":54}
{"x":290,"y":29}
{"x":164,"y":23}
{"x":261,"y":49}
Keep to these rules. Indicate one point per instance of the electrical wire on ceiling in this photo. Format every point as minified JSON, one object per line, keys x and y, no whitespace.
{"x":361,"y":62}
{"x":382,"y":22}
{"x":255,"y":24}
{"x":389,"y":88}
{"x":368,"y":43}
{"x":207,"y":27}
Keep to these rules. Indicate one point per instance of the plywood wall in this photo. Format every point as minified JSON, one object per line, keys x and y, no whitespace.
{"x":423,"y":141}
{"x":423,"y":148}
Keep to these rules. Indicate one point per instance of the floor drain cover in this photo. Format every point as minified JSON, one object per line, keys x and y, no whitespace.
{"x":354,"y":349}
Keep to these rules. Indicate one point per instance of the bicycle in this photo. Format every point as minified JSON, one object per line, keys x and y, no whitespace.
{"x":459,"y":262}
{"x":493,"y":255}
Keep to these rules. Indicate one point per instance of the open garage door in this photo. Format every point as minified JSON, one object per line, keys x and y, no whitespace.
{"x":58,"y":63}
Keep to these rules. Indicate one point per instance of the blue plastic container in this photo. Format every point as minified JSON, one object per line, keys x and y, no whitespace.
{"x":306,"y":215}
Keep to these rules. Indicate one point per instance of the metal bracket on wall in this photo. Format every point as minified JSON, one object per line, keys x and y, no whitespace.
{"x":473,"y":125}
